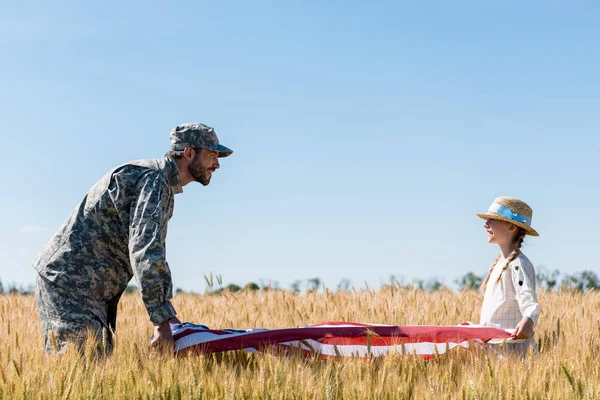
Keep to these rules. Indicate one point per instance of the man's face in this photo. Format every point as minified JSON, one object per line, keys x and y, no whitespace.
{"x":203,"y":165}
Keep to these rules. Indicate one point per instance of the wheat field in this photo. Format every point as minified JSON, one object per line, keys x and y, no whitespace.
{"x":567,"y":366}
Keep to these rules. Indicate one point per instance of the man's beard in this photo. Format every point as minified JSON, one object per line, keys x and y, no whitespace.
{"x":198,"y":172}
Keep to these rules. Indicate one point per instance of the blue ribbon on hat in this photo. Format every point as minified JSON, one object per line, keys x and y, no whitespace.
{"x":507,"y":213}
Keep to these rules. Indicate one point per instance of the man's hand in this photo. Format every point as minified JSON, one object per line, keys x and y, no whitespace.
{"x":524,"y":329}
{"x":163,"y":338}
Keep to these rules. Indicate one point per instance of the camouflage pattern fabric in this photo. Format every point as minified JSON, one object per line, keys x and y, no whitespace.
{"x":117,"y":232}
{"x":199,"y":136}
{"x":65,"y":320}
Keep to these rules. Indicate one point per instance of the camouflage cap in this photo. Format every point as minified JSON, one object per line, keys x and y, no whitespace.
{"x":197,"y":135}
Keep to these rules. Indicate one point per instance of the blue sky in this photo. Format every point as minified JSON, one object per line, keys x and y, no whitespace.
{"x":366,"y":136}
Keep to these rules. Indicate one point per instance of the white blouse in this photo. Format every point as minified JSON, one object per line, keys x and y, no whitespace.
{"x":514,"y":297}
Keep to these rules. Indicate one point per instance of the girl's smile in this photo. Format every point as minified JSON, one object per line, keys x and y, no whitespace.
{"x":498,"y":231}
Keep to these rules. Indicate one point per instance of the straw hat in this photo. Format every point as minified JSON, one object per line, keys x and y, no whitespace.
{"x":511,"y":210}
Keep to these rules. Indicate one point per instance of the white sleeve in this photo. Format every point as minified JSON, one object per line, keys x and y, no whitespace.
{"x":523,"y":276}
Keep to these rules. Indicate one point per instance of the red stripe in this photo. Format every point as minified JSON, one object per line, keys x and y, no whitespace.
{"x":381,"y":341}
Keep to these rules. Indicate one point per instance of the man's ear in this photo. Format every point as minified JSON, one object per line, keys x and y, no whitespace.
{"x":188,"y":153}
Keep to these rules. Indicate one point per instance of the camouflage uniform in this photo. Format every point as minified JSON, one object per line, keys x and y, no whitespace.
{"x":118,"y":231}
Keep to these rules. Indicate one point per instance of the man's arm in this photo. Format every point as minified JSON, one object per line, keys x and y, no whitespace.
{"x":147,"y":234}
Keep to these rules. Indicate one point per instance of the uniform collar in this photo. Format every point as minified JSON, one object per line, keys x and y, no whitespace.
{"x":172,"y":175}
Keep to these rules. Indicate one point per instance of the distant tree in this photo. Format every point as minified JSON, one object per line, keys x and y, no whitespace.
{"x":434,"y":285}
{"x":272,"y":285}
{"x":14,"y":289}
{"x":581,"y":282}
{"x":268,"y":284}
{"x":469,"y":281}
{"x":313,"y":283}
{"x":344,"y":284}
{"x":296,"y":285}
{"x":546,"y":279}
{"x":233,"y":288}
{"x":399,"y":282}
{"x":1,"y":288}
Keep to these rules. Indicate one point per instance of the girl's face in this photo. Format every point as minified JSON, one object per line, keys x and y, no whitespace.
{"x":499,"y":232}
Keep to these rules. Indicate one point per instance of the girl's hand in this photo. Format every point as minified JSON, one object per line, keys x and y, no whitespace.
{"x":524,"y":330}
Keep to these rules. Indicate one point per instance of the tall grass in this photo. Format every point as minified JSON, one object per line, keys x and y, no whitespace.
{"x":568,"y":365}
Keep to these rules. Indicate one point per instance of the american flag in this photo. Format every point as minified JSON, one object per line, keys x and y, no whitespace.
{"x":336,"y":339}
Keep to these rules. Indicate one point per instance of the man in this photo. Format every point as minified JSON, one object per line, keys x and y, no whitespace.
{"x":117,"y":232}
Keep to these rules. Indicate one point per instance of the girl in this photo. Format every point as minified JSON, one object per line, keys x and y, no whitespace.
{"x":510,"y":300}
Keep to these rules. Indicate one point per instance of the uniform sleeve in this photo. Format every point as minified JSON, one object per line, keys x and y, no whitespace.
{"x":523,"y":276}
{"x":147,"y":247}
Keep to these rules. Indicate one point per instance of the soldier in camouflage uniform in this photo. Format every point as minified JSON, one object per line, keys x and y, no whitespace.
{"x":117,"y":232}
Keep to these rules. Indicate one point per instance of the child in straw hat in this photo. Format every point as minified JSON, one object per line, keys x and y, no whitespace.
{"x":510,"y":300}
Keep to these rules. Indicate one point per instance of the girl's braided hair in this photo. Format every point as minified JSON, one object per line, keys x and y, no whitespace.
{"x":521,"y":233}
